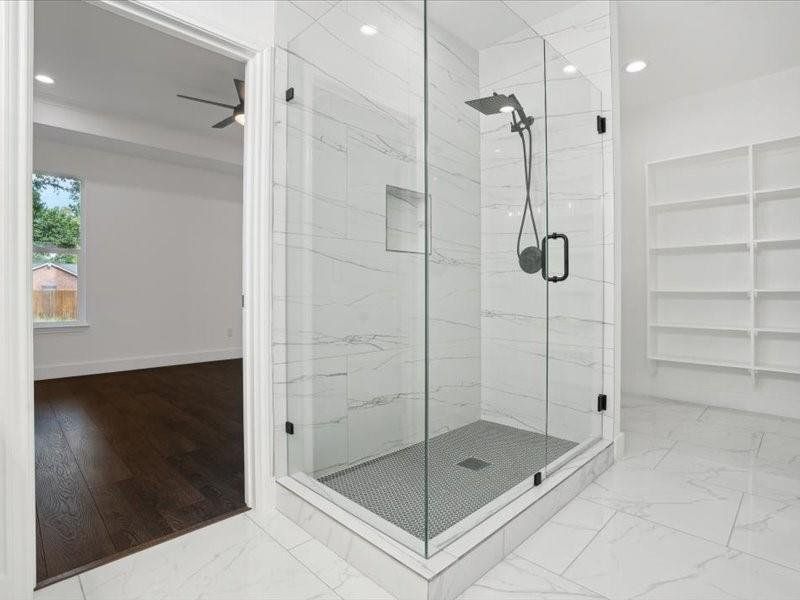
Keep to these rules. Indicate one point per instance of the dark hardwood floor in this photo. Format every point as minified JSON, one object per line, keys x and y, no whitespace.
{"x":125,"y":459}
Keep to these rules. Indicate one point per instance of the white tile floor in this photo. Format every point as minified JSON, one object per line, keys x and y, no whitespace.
{"x":704,"y":505}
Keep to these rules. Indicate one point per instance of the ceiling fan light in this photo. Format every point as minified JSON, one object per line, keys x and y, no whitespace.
{"x":239,"y":118}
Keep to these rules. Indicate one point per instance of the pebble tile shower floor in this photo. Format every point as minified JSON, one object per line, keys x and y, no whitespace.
{"x":393,"y":486}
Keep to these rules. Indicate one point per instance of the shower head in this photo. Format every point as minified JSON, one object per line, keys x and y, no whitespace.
{"x":496,"y":103}
{"x":500,"y":103}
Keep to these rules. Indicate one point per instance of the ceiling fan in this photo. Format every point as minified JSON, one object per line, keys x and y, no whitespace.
{"x":238,"y":110}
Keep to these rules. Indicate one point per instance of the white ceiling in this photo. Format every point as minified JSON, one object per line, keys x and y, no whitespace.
{"x":103,"y":62}
{"x":482,"y":23}
{"x":694,"y":46}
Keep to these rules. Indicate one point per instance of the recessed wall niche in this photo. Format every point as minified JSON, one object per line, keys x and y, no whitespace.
{"x":405,"y":220}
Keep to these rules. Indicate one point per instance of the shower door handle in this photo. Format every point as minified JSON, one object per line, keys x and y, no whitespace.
{"x":565,"y":274}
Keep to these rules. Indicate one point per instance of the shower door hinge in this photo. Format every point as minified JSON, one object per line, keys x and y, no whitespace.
{"x":242,"y":300}
{"x":289,"y":427}
{"x":601,"y":124}
{"x":289,"y":94}
{"x":602,"y":402}
{"x":537,"y":479}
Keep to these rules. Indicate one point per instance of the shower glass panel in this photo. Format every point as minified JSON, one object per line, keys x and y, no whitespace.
{"x":432,"y":373}
{"x":487,"y":317}
{"x":355,"y":248}
{"x":575,"y":202}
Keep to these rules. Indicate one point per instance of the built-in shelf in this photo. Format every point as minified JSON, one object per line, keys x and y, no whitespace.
{"x":700,"y":361}
{"x":765,"y":179}
{"x":778,"y":330}
{"x":693,"y":326}
{"x":777,"y":291}
{"x":708,"y":246}
{"x":701,"y":292}
{"x":725,"y":364}
{"x":777,"y":241}
{"x":776,"y":193}
{"x":787,"y":370}
{"x":722,"y":199}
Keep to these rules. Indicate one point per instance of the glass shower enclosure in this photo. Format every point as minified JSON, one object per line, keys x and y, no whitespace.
{"x":443,"y":244}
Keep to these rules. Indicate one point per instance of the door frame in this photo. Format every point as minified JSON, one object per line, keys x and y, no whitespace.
{"x":17,"y":464}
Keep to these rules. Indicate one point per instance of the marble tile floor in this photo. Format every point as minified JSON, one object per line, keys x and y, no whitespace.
{"x":705,"y":504}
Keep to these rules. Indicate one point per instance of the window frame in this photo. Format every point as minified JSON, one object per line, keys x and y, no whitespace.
{"x":82,"y":321}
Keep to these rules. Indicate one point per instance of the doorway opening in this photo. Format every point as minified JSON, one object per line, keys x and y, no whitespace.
{"x":137,"y":295}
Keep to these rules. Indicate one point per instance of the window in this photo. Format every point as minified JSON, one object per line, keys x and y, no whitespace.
{"x":57,"y":250}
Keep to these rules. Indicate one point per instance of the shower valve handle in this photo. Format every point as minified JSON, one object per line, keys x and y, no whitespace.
{"x":545,"y":274}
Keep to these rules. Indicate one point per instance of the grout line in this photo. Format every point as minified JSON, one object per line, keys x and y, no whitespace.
{"x":317,"y":577}
{"x":272,"y":537}
{"x":530,"y":562}
{"x":590,"y":541}
{"x":700,"y":416}
{"x":660,"y":460}
{"x":760,"y":443}
{"x":80,"y":584}
{"x":697,"y":537}
{"x":735,"y":518}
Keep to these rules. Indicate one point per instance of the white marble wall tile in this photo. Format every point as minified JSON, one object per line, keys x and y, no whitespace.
{"x":314,"y":8}
{"x":293,"y":21}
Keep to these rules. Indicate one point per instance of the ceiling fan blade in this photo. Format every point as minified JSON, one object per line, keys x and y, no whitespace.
{"x":206,"y":101}
{"x":224,"y":123}
{"x":239,"y":88}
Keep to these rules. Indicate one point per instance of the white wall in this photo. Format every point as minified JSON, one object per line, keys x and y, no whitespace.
{"x":751,"y":111}
{"x":163,"y":263}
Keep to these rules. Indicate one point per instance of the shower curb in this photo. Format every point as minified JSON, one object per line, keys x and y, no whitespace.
{"x":446,"y":574}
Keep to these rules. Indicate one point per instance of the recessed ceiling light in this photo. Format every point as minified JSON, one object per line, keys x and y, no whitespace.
{"x":42,"y":78}
{"x":635,"y":66}
{"x":570,"y":69}
{"x":368,"y":29}
{"x":506,"y":109}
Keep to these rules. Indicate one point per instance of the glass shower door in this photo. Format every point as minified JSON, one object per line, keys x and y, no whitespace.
{"x":487,"y":332}
{"x":575,"y":251}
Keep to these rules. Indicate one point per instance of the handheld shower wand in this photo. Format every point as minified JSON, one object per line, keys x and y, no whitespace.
{"x":530,"y":258}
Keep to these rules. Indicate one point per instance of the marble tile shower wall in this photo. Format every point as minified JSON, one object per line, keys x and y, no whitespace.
{"x":349,"y":360}
{"x":582,"y":35}
{"x":513,"y":306}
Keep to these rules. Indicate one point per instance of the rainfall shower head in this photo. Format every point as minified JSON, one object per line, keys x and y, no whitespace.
{"x":496,"y":103}
{"x":530,"y":259}
{"x":500,"y":103}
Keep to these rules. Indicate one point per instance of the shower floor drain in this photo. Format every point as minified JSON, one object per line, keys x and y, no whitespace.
{"x":393,"y":486}
{"x":476,"y":464}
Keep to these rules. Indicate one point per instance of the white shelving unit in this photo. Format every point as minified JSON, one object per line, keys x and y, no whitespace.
{"x":723,"y":260}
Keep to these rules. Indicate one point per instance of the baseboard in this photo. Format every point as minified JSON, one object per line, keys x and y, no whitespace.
{"x":131,"y":363}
